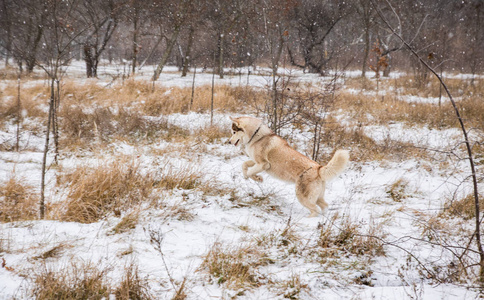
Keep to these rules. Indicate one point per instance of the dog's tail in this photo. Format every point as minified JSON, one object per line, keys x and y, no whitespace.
{"x":335,"y":166}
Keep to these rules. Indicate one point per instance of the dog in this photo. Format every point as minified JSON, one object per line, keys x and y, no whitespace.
{"x":270,"y":153}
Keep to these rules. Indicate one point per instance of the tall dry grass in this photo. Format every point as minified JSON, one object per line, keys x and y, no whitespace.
{"x":388,"y":106}
{"x":95,"y":192}
{"x":86,"y":281}
{"x":122,"y":185}
{"x":133,"y":285}
{"x":363,"y":147}
{"x":18,"y":201}
{"x":77,"y":281}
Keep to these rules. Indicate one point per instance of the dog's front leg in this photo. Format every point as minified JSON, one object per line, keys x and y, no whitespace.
{"x":257,"y":168}
{"x":245,"y":167}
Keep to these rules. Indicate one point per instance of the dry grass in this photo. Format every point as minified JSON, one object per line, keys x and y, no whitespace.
{"x":95,"y":192}
{"x":235,"y":268}
{"x":364,"y":148}
{"x":463,"y":208}
{"x":122,"y":185}
{"x":390,"y":107}
{"x":32,"y":97}
{"x":78,"y":281}
{"x":18,"y":201}
{"x":127,"y":223}
{"x":398,"y":190}
{"x":185,"y":177}
{"x":53,"y":252}
{"x":79,"y":127}
{"x":292,"y":287}
{"x":347,"y":236}
{"x":133,"y":286}
{"x":86,"y":281}
{"x":286,"y":238}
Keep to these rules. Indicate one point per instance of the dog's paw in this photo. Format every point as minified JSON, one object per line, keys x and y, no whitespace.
{"x":257,"y":178}
{"x":313,"y":214}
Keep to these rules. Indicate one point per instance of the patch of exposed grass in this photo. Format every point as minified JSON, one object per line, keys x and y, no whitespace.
{"x":463,"y":208}
{"x":127,"y":223}
{"x":185,"y":177}
{"x":292,"y":287}
{"x":18,"y":201}
{"x":52,"y":252}
{"x":78,"y":281}
{"x":235,"y":268}
{"x":346,"y":236}
{"x":364,"y":148}
{"x":286,"y":238}
{"x":389,"y":106}
{"x":94,"y":192}
{"x":398,"y":190}
{"x":133,"y":285}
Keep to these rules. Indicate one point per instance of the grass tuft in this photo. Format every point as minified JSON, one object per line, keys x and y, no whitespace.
{"x":83,"y":281}
{"x":94,"y":192}
{"x":18,"y":201}
{"x":133,"y":286}
{"x":235,"y":268}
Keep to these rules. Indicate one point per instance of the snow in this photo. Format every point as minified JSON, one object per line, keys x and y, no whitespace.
{"x":359,"y":193}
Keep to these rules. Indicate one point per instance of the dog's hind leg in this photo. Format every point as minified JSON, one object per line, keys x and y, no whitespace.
{"x":245,"y":166}
{"x":307,"y":194}
{"x":320,"y":202}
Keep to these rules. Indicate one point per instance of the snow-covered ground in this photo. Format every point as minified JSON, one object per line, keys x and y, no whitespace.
{"x":360,"y":195}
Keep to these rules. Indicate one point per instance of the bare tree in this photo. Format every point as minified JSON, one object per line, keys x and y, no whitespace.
{"x":24,"y":26}
{"x":313,"y":22}
{"x":477,"y":229}
{"x":173,"y":18}
{"x":101,"y":18}
{"x":58,"y":39}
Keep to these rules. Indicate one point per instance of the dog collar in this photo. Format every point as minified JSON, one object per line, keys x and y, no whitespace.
{"x":254,"y":134}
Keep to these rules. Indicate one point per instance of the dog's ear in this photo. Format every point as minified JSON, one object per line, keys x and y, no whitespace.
{"x":235,"y":121}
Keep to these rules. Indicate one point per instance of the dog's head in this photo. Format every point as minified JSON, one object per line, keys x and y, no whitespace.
{"x":238,"y":132}
{"x":243,"y":128}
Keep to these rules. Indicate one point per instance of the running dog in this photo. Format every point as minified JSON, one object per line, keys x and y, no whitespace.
{"x":269,"y":152}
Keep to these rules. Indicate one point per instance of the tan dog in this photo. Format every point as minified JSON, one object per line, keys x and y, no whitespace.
{"x":269,"y":152}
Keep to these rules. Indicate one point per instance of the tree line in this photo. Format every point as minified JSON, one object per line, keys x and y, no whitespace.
{"x":313,"y":35}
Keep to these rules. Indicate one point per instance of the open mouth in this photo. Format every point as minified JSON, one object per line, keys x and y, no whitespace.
{"x":236,"y":143}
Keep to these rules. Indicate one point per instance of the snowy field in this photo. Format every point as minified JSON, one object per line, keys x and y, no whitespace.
{"x":255,"y":216}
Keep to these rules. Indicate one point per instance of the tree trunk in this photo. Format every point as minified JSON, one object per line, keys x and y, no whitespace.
{"x":221,"y":55}
{"x":135,"y":40}
{"x":31,"y":58}
{"x":366,"y":52}
{"x":89,"y":59}
{"x":275,"y":65}
{"x":166,"y":54}
{"x":19,"y":115}
{"x":46,"y":150}
{"x":186,"y":60}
